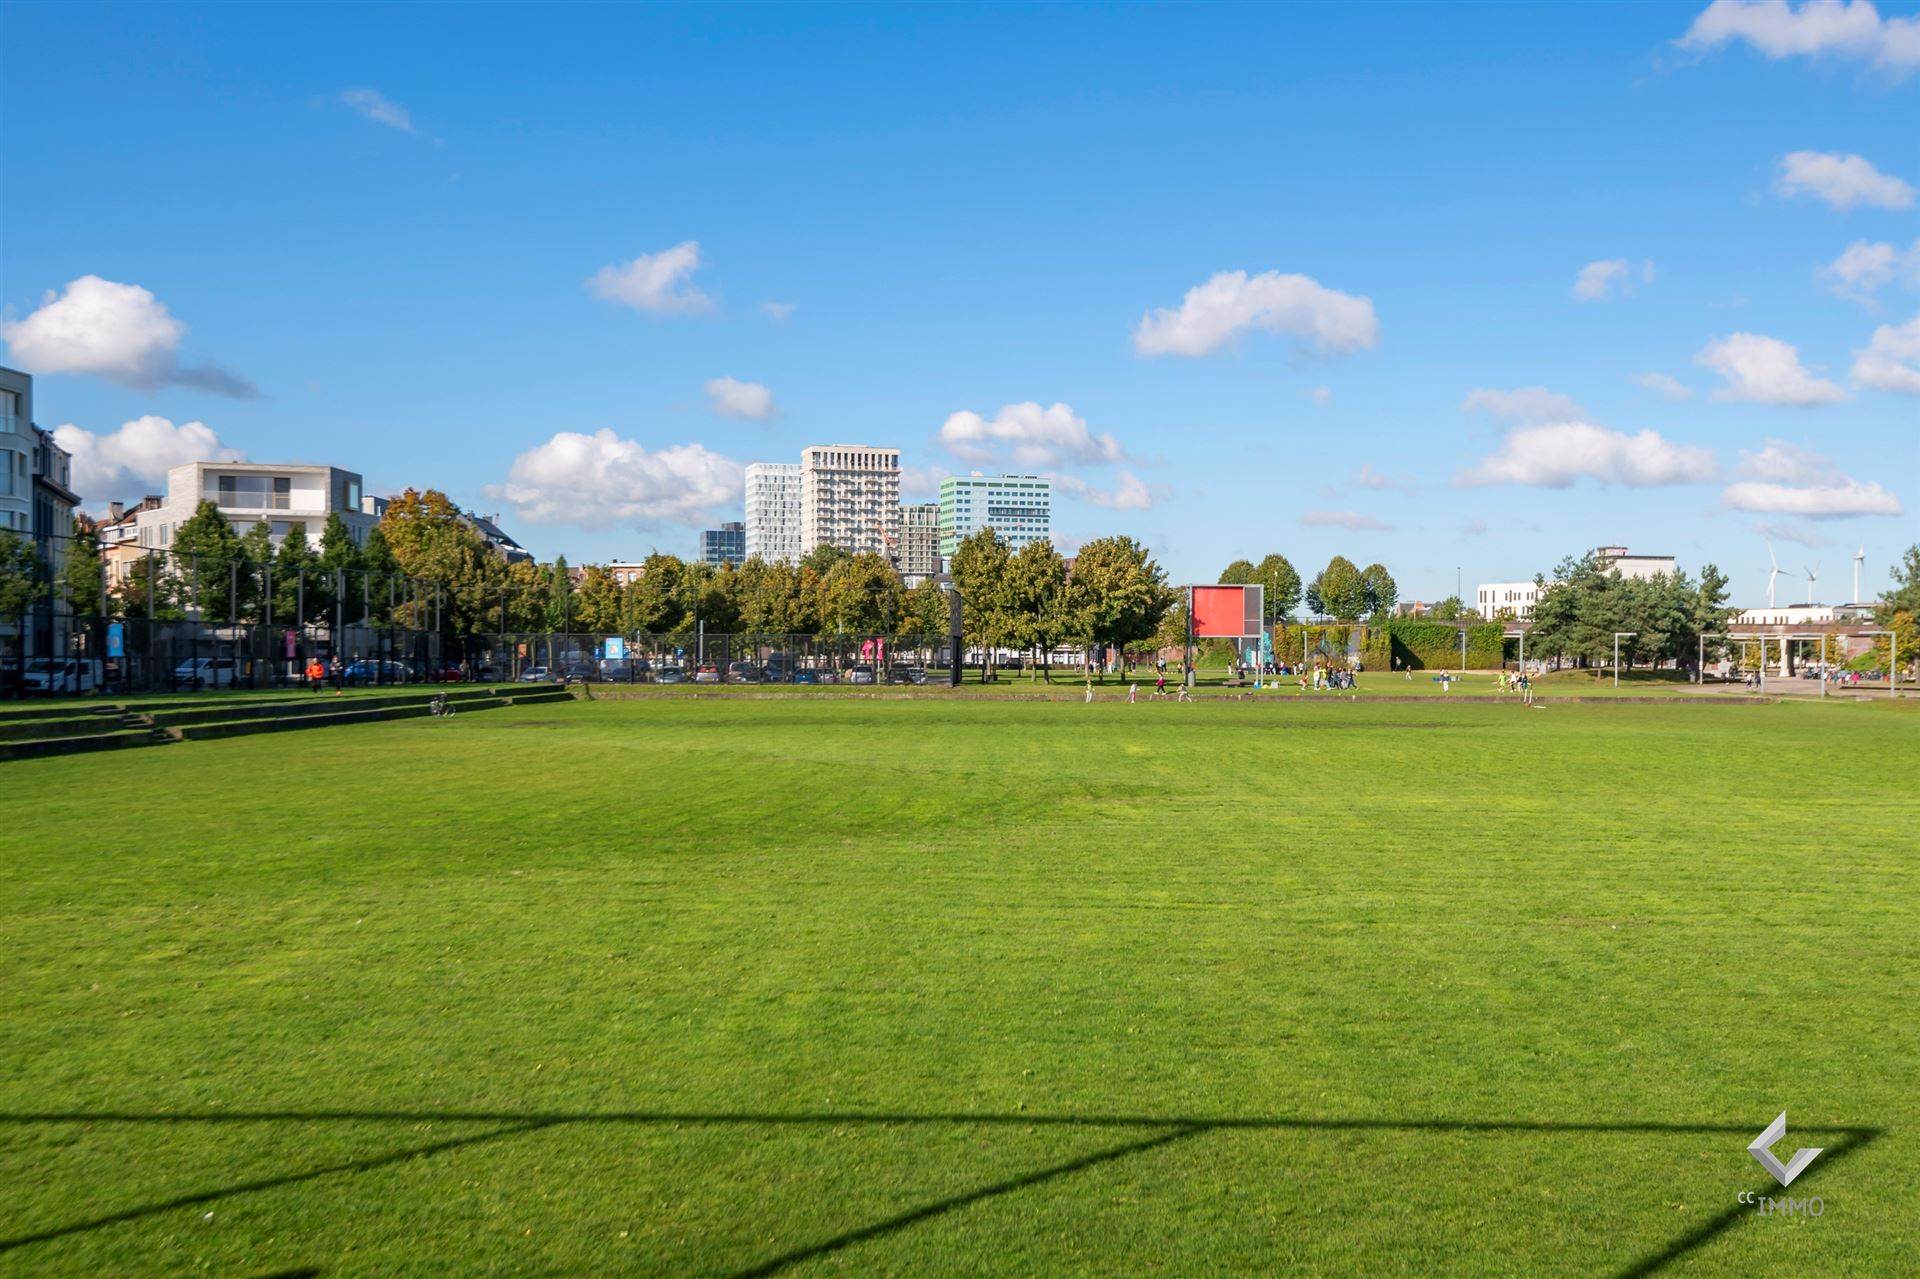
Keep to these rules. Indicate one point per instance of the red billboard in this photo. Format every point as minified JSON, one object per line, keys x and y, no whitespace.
{"x":1227,"y":612}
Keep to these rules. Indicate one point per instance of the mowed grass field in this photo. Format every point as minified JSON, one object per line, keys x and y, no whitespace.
{"x":810,"y":987}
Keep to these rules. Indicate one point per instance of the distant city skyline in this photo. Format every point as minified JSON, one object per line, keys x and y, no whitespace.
{"x":1461,"y":289}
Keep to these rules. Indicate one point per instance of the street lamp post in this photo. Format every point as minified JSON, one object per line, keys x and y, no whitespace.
{"x":1617,"y":637}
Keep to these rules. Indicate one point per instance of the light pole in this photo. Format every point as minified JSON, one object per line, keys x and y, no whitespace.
{"x":1617,"y":637}
{"x":1893,"y":661}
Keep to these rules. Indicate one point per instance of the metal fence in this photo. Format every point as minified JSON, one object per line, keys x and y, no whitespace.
{"x":706,"y":658}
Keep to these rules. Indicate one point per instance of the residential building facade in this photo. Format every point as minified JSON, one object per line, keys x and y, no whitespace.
{"x":1017,"y":507}
{"x":850,"y":498}
{"x":1516,"y":599}
{"x":919,"y":556}
{"x":282,"y":494}
{"x":17,"y":443}
{"x":724,"y":545}
{"x":773,"y":511}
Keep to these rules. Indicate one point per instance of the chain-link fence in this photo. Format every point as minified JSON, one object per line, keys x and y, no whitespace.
{"x":705,"y":658}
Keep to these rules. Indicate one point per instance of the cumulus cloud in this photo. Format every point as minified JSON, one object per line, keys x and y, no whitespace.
{"x":1841,"y":180}
{"x":1129,"y":493}
{"x":120,"y":332}
{"x":921,"y":481}
{"x":745,"y":401}
{"x":1785,"y":479}
{"x":1817,"y":501}
{"x":1788,"y":533}
{"x":1213,"y":314}
{"x":601,"y":479}
{"x":1831,"y":28}
{"x":658,"y":282}
{"x":1598,"y":280}
{"x":1030,"y":435}
{"x":1671,"y":387}
{"x":1554,"y":456}
{"x":1865,"y":268}
{"x":1764,"y":370}
{"x":1368,"y":478}
{"x":379,"y":108}
{"x":779,"y":312}
{"x":1526,"y":404}
{"x":1345,"y":519}
{"x":1891,"y":360}
{"x":138,"y":455}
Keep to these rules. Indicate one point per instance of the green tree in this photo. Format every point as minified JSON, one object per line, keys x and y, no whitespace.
{"x":1450,"y":609}
{"x":339,"y":567}
{"x":1124,"y":593}
{"x":597,"y":605}
{"x":19,"y":584}
{"x":979,"y":572}
{"x":1038,"y":604}
{"x":559,"y":613}
{"x":1339,"y":591}
{"x":1905,"y":595}
{"x":926,"y":610}
{"x":206,"y":552}
{"x":659,"y":596}
{"x":1381,"y":592}
{"x":294,"y":567}
{"x":1282,"y":582}
{"x":256,"y":567}
{"x":382,"y":572}
{"x":1238,"y":573}
{"x":1709,"y":612}
{"x":861,"y":595}
{"x":80,"y":575}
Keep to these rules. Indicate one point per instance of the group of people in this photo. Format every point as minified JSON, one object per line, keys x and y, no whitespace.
{"x":319,"y":673}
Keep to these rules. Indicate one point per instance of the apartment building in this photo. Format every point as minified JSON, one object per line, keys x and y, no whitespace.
{"x":1017,"y":507}
{"x":773,"y":511}
{"x":919,"y":556}
{"x":850,"y":498}
{"x":282,"y":494}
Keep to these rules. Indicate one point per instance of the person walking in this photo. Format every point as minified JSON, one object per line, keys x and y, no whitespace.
{"x":1160,"y":683}
{"x":337,"y":671}
{"x":316,"y":673}
{"x":1133,"y":694}
{"x":1186,"y":694}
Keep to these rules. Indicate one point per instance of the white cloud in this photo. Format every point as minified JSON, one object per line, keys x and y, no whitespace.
{"x":1345,"y":519}
{"x":601,"y":479}
{"x":1819,"y":501}
{"x":1865,"y":268}
{"x":1368,"y":478}
{"x":120,"y":332}
{"x":138,"y":455}
{"x":1597,"y":279}
{"x":1526,"y":404}
{"x":1322,"y":394}
{"x":1671,"y":387}
{"x":1891,"y":360}
{"x":1841,"y":180}
{"x":1129,"y":493}
{"x":1473,"y":528}
{"x":1554,"y":456}
{"x":779,"y":312}
{"x":1788,"y":533}
{"x":379,"y":108}
{"x":1031,"y":435}
{"x":746,"y":401}
{"x":1214,"y":313}
{"x":1818,"y":27}
{"x":659,"y":282}
{"x":1785,"y":479}
{"x":1788,"y":464}
{"x":921,"y":481}
{"x":1764,"y":370}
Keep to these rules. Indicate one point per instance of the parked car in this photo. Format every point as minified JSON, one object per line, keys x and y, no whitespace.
{"x":206,"y":672}
{"x":576,"y":670}
{"x":806,"y":677}
{"x":907,"y":675}
{"x":779,"y":668}
{"x":743,"y":673}
{"x":369,"y":670}
{"x":535,"y":675}
{"x":708,"y":674}
{"x":670,"y":675}
{"x":860,"y":675}
{"x":615,"y":669}
{"x":61,"y":675}
{"x":446,"y":673}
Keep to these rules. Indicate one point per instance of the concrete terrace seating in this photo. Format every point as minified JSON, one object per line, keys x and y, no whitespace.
{"x":28,"y":735}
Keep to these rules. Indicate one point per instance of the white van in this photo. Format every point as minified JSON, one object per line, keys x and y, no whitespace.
{"x":61,"y":675}
{"x":206,"y":672}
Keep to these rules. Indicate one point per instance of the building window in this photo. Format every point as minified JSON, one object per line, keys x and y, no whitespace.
{"x":256,"y":492}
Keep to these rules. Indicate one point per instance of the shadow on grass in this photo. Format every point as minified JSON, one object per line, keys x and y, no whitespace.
{"x":1163,"y":1130}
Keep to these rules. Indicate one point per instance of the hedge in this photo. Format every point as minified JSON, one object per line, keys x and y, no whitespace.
{"x":1399,"y":644}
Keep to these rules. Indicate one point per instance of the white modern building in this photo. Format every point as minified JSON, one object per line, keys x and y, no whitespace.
{"x":1017,"y":507}
{"x":919,"y":543}
{"x":1516,"y":599}
{"x":773,"y":511}
{"x":1804,"y":614}
{"x":282,"y":494}
{"x":1506,"y":599}
{"x":850,"y":498}
{"x":16,"y":451}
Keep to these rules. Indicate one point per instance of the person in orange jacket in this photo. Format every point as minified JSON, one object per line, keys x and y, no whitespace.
{"x":316,"y":673}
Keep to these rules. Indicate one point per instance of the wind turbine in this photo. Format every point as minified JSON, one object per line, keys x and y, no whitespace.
{"x":1859,"y":558}
{"x":1810,"y":579}
{"x":1773,"y":576}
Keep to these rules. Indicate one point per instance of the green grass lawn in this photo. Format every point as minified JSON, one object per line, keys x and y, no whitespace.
{"x":733,"y":987}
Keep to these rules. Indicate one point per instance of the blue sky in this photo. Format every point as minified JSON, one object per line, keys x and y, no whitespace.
{"x":387,"y":224}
